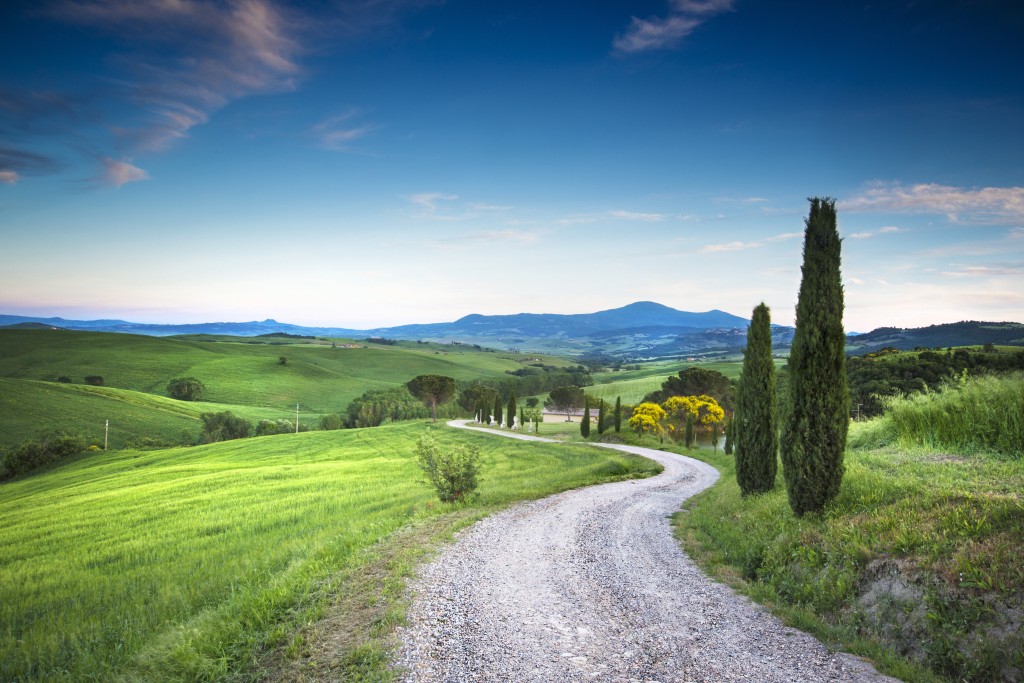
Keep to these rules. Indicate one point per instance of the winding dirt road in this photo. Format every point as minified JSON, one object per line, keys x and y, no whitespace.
{"x":589,"y":585}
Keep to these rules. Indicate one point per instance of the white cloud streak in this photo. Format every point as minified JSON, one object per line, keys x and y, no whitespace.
{"x":9,"y":177}
{"x":117,"y":173}
{"x":989,"y":205}
{"x":660,"y":33}
{"x":741,"y":246}
{"x":335,"y":135}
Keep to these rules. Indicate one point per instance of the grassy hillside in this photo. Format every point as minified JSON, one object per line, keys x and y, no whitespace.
{"x":321,"y":378}
{"x":186,"y":564}
{"x":916,"y":564}
{"x":29,"y":407}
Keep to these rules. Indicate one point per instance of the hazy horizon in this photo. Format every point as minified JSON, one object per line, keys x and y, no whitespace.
{"x":372,"y":163}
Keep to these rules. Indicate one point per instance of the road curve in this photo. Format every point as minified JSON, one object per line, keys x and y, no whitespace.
{"x":589,"y":585}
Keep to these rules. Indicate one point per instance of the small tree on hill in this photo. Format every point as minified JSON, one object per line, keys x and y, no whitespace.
{"x":618,"y":414}
{"x":452,"y":472}
{"x":432,"y":390}
{"x":585,"y":424}
{"x":566,"y":400}
{"x":757,"y":444}
{"x":185,"y":389}
{"x":94,"y":380}
{"x":223,"y":426}
{"x":818,"y":411}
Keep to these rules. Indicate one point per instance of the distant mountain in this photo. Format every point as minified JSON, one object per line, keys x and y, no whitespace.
{"x":964,"y":333}
{"x":640,"y":330}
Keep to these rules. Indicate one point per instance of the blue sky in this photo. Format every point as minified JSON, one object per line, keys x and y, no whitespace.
{"x":378,"y":162}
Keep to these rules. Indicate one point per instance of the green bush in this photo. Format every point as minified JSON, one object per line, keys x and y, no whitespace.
{"x":278,"y":426}
{"x":453,"y":473}
{"x":332,"y":421}
{"x":32,"y":455}
{"x":185,"y":388}
{"x":94,"y":380}
{"x":223,"y":426}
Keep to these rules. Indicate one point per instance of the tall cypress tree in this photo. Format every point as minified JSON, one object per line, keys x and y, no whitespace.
{"x":618,"y":414}
{"x":601,"y":426}
{"x":729,"y":438}
{"x":757,"y":443}
{"x":818,"y":411}
{"x":688,"y":436}
{"x":511,"y":412}
{"x":585,"y":424}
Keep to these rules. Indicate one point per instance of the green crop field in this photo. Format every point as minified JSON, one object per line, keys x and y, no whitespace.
{"x":321,"y":378}
{"x":29,"y":408}
{"x":183,"y":563}
{"x":241,"y":375}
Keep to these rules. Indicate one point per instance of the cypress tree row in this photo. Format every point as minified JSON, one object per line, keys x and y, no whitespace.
{"x":600,"y":418}
{"x":818,"y":413}
{"x":585,"y":424}
{"x":757,"y":443}
{"x":511,"y":412}
{"x":618,"y":414}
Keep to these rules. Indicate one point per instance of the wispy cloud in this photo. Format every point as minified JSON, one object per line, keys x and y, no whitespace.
{"x":986,"y":271}
{"x":871,"y":233}
{"x":489,"y":237}
{"x":9,"y":177}
{"x":117,"y":173}
{"x":659,"y":33}
{"x":1016,"y":233}
{"x":638,"y":216}
{"x":992,"y":205}
{"x":337,"y":132}
{"x":439,"y":206}
{"x":740,"y":246}
{"x":218,"y":53}
{"x":16,"y":163}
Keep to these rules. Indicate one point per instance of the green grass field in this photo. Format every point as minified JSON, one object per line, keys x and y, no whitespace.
{"x":633,"y":385}
{"x":192,"y":563}
{"x":915,"y":565}
{"x":241,"y":375}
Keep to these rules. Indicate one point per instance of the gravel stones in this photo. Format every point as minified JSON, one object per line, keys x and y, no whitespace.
{"x":589,"y":585}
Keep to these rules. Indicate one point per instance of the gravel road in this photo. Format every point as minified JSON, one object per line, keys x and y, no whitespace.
{"x":589,"y":585}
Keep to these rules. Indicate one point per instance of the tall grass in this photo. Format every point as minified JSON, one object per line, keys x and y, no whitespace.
{"x":181,"y":564}
{"x":974,"y":415}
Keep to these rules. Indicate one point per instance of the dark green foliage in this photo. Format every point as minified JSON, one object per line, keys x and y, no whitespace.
{"x":536,"y":379}
{"x":32,"y":455}
{"x":695,"y":381}
{"x":688,"y":434}
{"x":332,"y":421}
{"x":223,"y":426}
{"x":185,"y":388}
{"x":64,"y":379}
{"x":511,"y":409}
{"x":757,"y":419}
{"x":498,"y":410}
{"x":279,"y":426}
{"x":818,"y":410}
{"x":889,"y":372}
{"x":471,"y":396}
{"x":376,"y":407}
{"x":452,"y":473}
{"x":714,"y":435}
{"x":730,"y":429}
{"x":618,"y":414}
{"x":532,"y":402}
{"x":565,"y":399}
{"x":433,"y":390}
{"x":585,"y":424}
{"x":282,"y":360}
{"x":601,"y":426}
{"x":94,"y":380}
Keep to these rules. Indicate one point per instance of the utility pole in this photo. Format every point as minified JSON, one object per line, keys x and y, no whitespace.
{"x":296,"y":418}
{"x":106,"y":433}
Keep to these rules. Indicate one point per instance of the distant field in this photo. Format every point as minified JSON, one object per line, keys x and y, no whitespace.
{"x":181,"y":564}
{"x":241,"y":375}
{"x":633,"y":385}
{"x":29,"y":408}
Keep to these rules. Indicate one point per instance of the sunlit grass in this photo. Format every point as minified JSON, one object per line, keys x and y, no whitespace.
{"x":185,"y":561}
